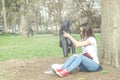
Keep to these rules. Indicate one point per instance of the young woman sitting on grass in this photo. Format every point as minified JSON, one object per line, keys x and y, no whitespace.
{"x":88,"y":60}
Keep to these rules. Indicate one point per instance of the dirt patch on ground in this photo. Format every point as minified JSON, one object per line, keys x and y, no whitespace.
{"x":33,"y":70}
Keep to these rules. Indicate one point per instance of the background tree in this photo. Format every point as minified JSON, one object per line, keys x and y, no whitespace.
{"x":23,"y":19}
{"x":4,"y":16}
{"x":45,"y":16}
{"x":110,"y":27}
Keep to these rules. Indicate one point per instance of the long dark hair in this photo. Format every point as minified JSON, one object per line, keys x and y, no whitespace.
{"x":87,"y":31}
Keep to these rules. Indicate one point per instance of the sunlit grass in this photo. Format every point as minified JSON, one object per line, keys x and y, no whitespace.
{"x":38,"y":46}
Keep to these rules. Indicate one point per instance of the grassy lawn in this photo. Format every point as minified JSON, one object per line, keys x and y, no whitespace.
{"x":38,"y":46}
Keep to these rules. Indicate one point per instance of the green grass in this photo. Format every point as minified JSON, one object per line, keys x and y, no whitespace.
{"x":104,"y":72}
{"x":38,"y":46}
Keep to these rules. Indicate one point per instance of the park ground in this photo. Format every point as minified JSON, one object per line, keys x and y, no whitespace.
{"x":27,"y":59}
{"x":32,"y":69}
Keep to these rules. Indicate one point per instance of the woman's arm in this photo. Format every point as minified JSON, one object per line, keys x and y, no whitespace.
{"x":75,"y":42}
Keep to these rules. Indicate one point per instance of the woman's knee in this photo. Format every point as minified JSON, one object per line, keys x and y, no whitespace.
{"x":75,"y":55}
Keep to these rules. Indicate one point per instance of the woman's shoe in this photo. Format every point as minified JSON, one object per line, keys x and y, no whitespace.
{"x":62,"y":73}
{"x":56,"y":68}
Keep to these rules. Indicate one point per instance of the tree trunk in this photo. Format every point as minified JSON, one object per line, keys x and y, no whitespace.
{"x":67,"y":7}
{"x":23,"y":23}
{"x":110,"y":27}
{"x":4,"y":17}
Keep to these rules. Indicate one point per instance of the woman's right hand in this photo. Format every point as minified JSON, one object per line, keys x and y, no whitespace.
{"x":65,"y":34}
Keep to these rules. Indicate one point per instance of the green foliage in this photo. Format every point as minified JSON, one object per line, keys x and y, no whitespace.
{"x":39,"y":46}
{"x":104,"y":72}
{"x":81,"y":78}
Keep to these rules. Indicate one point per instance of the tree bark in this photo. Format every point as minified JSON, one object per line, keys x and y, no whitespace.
{"x":110,"y":27}
{"x":4,"y":17}
{"x":23,"y":23}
